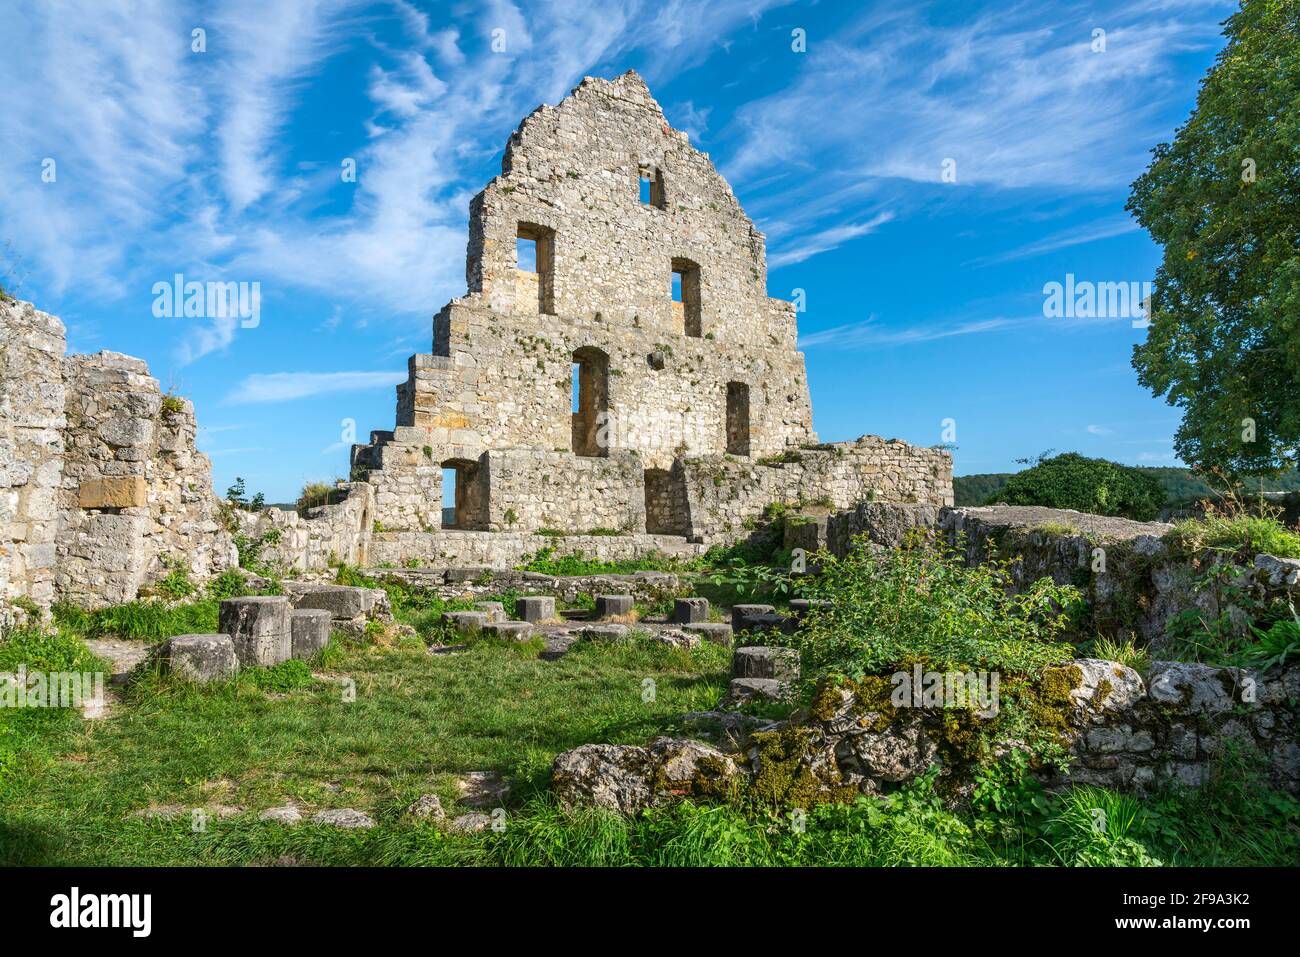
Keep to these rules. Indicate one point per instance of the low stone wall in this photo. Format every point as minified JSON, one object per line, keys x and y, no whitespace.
{"x":1120,"y":731}
{"x":320,"y":539}
{"x":725,"y":494}
{"x":502,"y":550}
{"x":1135,"y":581}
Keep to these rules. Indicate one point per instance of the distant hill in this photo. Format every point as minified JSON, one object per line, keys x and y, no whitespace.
{"x":1181,"y":486}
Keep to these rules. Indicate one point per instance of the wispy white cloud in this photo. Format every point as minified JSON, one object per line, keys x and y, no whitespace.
{"x":828,"y":239}
{"x":1075,"y":236}
{"x":871,"y":333}
{"x":1099,"y":430}
{"x":287,"y":386}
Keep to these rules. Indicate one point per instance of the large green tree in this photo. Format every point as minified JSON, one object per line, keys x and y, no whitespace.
{"x":1223,"y":199}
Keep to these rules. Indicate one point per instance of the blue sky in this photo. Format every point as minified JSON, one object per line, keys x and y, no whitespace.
{"x":924,"y":297}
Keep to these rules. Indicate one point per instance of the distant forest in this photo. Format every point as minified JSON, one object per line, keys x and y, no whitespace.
{"x":1181,"y":486}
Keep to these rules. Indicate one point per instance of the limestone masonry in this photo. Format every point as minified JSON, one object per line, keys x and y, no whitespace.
{"x":612,"y":252}
{"x":615,"y":382}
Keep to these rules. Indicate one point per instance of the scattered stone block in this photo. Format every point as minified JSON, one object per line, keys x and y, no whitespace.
{"x":465,"y":622}
{"x":741,"y":614}
{"x":718,"y":632}
{"x":427,"y":807}
{"x":687,"y":611}
{"x":494,"y":610}
{"x":344,"y":817}
{"x":535,"y":608}
{"x":309,"y":629}
{"x":343,"y":602}
{"x":613,"y":606}
{"x":483,"y":789}
{"x":603,"y":633}
{"x":761,"y":661}
{"x":470,"y":823}
{"x":200,"y":658}
{"x":260,"y":628}
{"x":675,"y":637}
{"x":288,"y":814}
{"x":511,"y":630}
{"x":629,"y":779}
{"x":741,"y":691}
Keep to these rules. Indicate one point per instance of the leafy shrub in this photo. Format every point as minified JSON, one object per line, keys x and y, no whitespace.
{"x":176,"y":584}
{"x":1087,"y":485}
{"x":172,"y":404}
{"x":546,"y":562}
{"x":922,"y":601}
{"x":1275,"y":647}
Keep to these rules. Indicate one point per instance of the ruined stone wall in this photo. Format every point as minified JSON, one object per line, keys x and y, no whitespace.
{"x":101,"y":489}
{"x":321,"y":538}
{"x":706,"y":388}
{"x":532,"y":489}
{"x":573,"y":170}
{"x":1136,"y":581}
{"x":509,"y":384}
{"x":501,"y":550}
{"x":136,"y":498}
{"x":31,"y":449}
{"x":725,"y":494}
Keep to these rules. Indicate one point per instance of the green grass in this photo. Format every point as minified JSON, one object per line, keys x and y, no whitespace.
{"x":418,"y":721}
{"x":1241,"y":534}
{"x":277,"y":735}
{"x":269,"y":737}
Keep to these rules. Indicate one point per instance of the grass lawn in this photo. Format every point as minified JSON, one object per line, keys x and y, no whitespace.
{"x":278,"y":736}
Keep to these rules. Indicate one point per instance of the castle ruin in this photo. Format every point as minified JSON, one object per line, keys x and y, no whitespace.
{"x":615,"y":383}
{"x":616,"y":366}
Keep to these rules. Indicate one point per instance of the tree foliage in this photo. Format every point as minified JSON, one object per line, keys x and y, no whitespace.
{"x":1099,"y":486}
{"x":1223,"y":199}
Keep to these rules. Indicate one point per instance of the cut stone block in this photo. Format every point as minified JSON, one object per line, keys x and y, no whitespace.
{"x":718,"y":632}
{"x":341,"y":601}
{"x":310,"y":631}
{"x":760,"y":661}
{"x":687,"y":611}
{"x":771,"y":622}
{"x":123,"y":492}
{"x":744,"y":690}
{"x":260,"y":628}
{"x":613,"y":606}
{"x":465,"y":622}
{"x":200,"y":658}
{"x":494,"y":610}
{"x":741,"y":614}
{"x":513,"y":630}
{"x":535,"y":608}
{"x":603,"y":633}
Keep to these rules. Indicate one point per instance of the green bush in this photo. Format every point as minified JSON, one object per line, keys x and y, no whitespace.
{"x":923,"y":602}
{"x":1087,"y":485}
